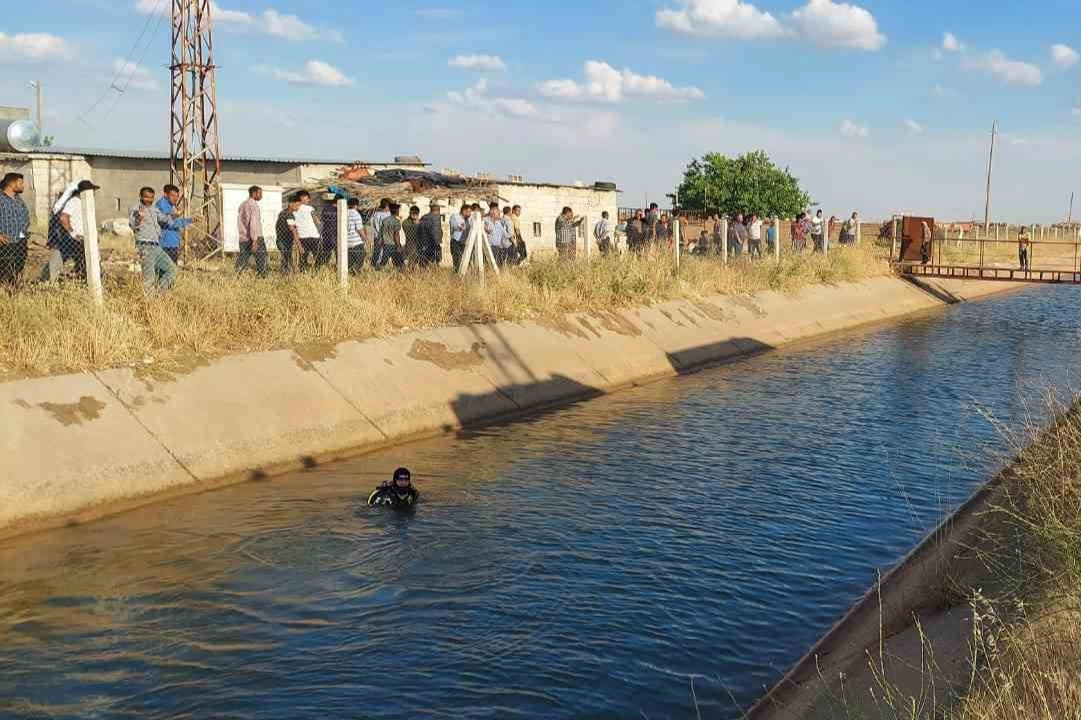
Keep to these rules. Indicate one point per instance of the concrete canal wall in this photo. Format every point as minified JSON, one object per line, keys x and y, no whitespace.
{"x":78,"y":446}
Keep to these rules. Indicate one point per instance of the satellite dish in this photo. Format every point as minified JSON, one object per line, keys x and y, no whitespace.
{"x":20,"y":136}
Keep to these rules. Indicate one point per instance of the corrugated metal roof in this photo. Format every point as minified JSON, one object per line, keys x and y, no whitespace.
{"x":154,"y":155}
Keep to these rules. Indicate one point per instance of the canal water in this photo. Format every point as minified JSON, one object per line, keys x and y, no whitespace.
{"x":629,"y":556}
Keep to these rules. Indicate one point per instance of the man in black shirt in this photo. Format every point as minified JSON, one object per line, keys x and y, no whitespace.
{"x":398,"y":494}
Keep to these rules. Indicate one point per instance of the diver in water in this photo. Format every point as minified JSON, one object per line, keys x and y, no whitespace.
{"x":398,"y":493}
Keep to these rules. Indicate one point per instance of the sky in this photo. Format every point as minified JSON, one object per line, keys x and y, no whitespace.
{"x":883,"y":106}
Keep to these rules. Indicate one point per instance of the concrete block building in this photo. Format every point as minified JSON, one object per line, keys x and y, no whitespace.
{"x":121,"y":173}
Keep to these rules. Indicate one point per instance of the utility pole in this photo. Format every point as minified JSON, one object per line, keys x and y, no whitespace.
{"x":36,"y":85}
{"x":990,"y":163}
{"x":1069,"y":213}
{"x":194,"y":140}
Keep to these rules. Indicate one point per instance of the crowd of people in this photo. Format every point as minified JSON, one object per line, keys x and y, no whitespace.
{"x":307,"y":238}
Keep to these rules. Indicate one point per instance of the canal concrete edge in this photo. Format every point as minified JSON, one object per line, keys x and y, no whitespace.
{"x":80,"y":446}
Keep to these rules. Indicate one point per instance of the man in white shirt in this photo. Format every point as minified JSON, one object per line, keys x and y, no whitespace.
{"x":458,"y":223}
{"x":498,"y":237}
{"x":754,"y":236}
{"x":66,"y":233}
{"x":818,"y":231}
{"x":311,"y":243}
{"x":354,"y":236}
{"x":603,"y":234}
{"x":374,"y":234}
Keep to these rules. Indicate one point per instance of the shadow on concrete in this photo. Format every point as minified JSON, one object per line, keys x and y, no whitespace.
{"x":536,"y":397}
{"x":940,"y":293}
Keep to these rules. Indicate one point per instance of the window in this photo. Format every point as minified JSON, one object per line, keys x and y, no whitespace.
{"x":536,"y":230}
{"x":118,"y":205}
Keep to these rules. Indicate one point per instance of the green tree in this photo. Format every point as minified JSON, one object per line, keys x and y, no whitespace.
{"x":750,"y":183}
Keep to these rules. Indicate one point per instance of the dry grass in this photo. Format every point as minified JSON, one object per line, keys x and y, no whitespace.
{"x":47,"y":330}
{"x":1027,"y":644}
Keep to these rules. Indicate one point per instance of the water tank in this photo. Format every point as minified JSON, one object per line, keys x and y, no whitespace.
{"x":20,"y":136}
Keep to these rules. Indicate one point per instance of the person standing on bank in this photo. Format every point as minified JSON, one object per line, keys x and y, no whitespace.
{"x":458,"y":223}
{"x":288,"y":237}
{"x":14,"y":229}
{"x":249,"y":224}
{"x":170,"y":235}
{"x":390,"y":237}
{"x":1023,"y":244}
{"x":311,"y":241}
{"x":354,"y":236}
{"x":328,"y":230}
{"x":603,"y":232}
{"x":567,"y":234}
{"x":66,"y":233}
{"x":411,"y":231}
{"x":818,"y":229}
{"x":498,"y":238}
{"x":374,"y":233}
{"x":754,"y":236}
{"x":431,"y":237}
{"x":520,"y":250}
{"x":147,"y":221}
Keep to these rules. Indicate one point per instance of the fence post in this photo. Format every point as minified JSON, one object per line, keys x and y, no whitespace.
{"x":677,"y":238}
{"x":895,"y":244}
{"x":343,"y":243}
{"x":777,"y":238}
{"x":724,"y":241}
{"x":91,"y":251}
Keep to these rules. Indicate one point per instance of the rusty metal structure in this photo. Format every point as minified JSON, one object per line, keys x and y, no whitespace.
{"x":194,"y":140}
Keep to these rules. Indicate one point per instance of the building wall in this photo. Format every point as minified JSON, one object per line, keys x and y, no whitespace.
{"x":541,"y":205}
{"x":46,"y":177}
{"x":121,"y":178}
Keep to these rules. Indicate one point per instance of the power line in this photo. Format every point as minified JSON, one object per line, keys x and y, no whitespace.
{"x":134,"y":67}
{"x":112,"y":86}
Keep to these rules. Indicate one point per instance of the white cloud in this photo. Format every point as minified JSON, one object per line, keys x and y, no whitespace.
{"x":719,"y":18}
{"x":269,"y":22}
{"x":850,"y":129}
{"x":289,"y":27}
{"x":134,"y":76}
{"x":940,"y":91}
{"x":477,"y":62}
{"x":34,"y":47}
{"x":913,"y":127}
{"x":605,"y":83}
{"x":1075,"y":111}
{"x":951,"y":44}
{"x":1064,"y":56}
{"x":315,"y":72}
{"x":476,"y":98}
{"x":1005,"y":69}
{"x":842,"y":25}
{"x":561,"y":89}
{"x":217,"y":13}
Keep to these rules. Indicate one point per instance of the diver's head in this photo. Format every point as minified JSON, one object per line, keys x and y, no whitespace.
{"x":403,"y":478}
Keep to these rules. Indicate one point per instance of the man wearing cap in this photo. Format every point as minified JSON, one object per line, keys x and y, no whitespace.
{"x":431,"y":237}
{"x":14,"y":228}
{"x":66,"y":232}
{"x":159,"y":270}
{"x":398,"y":494}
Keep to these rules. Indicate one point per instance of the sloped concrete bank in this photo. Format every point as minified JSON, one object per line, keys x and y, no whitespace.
{"x":79,"y":446}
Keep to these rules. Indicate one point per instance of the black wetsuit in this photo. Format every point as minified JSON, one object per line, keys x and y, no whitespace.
{"x":394,"y":497}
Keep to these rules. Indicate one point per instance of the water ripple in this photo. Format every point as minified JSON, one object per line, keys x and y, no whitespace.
{"x":592,"y":562}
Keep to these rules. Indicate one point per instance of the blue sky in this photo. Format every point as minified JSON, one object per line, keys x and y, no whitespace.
{"x":884,"y":106}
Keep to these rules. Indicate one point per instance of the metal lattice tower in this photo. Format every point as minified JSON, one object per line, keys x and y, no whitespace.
{"x":194,"y":142}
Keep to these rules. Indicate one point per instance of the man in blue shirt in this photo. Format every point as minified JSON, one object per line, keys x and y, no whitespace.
{"x":170,"y":234}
